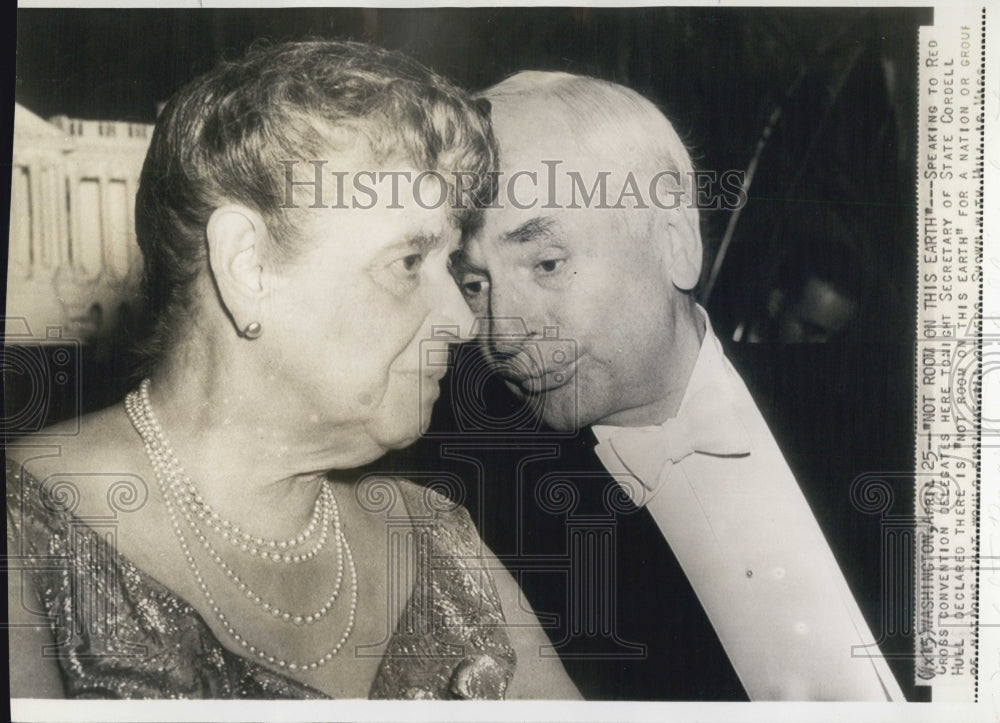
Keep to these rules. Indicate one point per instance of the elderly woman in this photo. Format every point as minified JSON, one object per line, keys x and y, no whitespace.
{"x":193,"y":541}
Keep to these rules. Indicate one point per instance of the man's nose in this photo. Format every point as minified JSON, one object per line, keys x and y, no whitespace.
{"x":509,"y":321}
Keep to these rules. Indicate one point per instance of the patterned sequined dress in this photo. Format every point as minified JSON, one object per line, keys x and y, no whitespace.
{"x":119,"y":633}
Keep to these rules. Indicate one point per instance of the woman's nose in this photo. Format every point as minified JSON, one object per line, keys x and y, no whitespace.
{"x":455,"y":319}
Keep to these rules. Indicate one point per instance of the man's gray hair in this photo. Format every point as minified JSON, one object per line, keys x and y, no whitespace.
{"x":605,"y":120}
{"x":600,"y":110}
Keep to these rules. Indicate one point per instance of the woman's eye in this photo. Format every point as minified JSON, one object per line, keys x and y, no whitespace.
{"x":402,"y":275}
{"x":407,"y":266}
{"x":549,"y":265}
{"x":412,"y":262}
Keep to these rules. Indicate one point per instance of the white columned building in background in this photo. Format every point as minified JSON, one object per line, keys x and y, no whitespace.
{"x":73,"y":262}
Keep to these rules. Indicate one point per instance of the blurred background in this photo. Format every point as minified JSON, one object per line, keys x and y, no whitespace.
{"x":810,"y":285}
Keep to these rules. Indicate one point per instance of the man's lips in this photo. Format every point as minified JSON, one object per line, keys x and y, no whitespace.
{"x":538,"y":383}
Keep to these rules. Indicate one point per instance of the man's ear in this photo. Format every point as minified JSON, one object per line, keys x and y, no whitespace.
{"x":236,"y":237}
{"x":684,"y":248}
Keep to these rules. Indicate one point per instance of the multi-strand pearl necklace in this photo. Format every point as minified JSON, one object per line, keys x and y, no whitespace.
{"x":325,"y":510}
{"x":188,"y":496}
{"x":178,"y":490}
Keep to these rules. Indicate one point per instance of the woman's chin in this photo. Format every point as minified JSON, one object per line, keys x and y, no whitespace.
{"x":403,"y":431}
{"x":409,"y":419}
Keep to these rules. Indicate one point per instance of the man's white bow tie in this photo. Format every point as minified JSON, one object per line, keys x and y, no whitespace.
{"x":708,"y":425}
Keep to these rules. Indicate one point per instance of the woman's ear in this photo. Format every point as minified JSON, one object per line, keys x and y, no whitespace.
{"x":236,"y":241}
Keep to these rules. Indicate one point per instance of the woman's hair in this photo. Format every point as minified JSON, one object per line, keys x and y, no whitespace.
{"x":222,"y":139}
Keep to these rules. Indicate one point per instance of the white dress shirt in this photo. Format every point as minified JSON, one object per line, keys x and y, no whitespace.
{"x":750,"y":546}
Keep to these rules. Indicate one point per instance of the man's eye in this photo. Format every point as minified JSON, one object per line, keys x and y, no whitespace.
{"x":549,"y":265}
{"x":473,"y":286}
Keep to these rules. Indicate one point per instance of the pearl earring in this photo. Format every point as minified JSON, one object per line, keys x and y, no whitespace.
{"x":253,"y":330}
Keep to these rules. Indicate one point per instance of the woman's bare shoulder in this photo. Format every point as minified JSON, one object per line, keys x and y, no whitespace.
{"x":94,"y":446}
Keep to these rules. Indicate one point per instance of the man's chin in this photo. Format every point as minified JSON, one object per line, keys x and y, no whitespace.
{"x":554,"y":407}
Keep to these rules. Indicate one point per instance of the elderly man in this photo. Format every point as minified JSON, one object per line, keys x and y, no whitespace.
{"x":699,"y":571}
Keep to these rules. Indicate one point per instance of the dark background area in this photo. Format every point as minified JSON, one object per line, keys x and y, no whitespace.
{"x":845,"y":83}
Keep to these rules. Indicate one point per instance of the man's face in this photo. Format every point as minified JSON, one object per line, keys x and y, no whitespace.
{"x":578,"y":304}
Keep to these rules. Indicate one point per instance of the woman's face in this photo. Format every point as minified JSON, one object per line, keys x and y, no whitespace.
{"x":356,"y":309}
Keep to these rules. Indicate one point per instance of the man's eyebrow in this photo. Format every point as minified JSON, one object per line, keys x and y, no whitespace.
{"x":535,"y":229}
